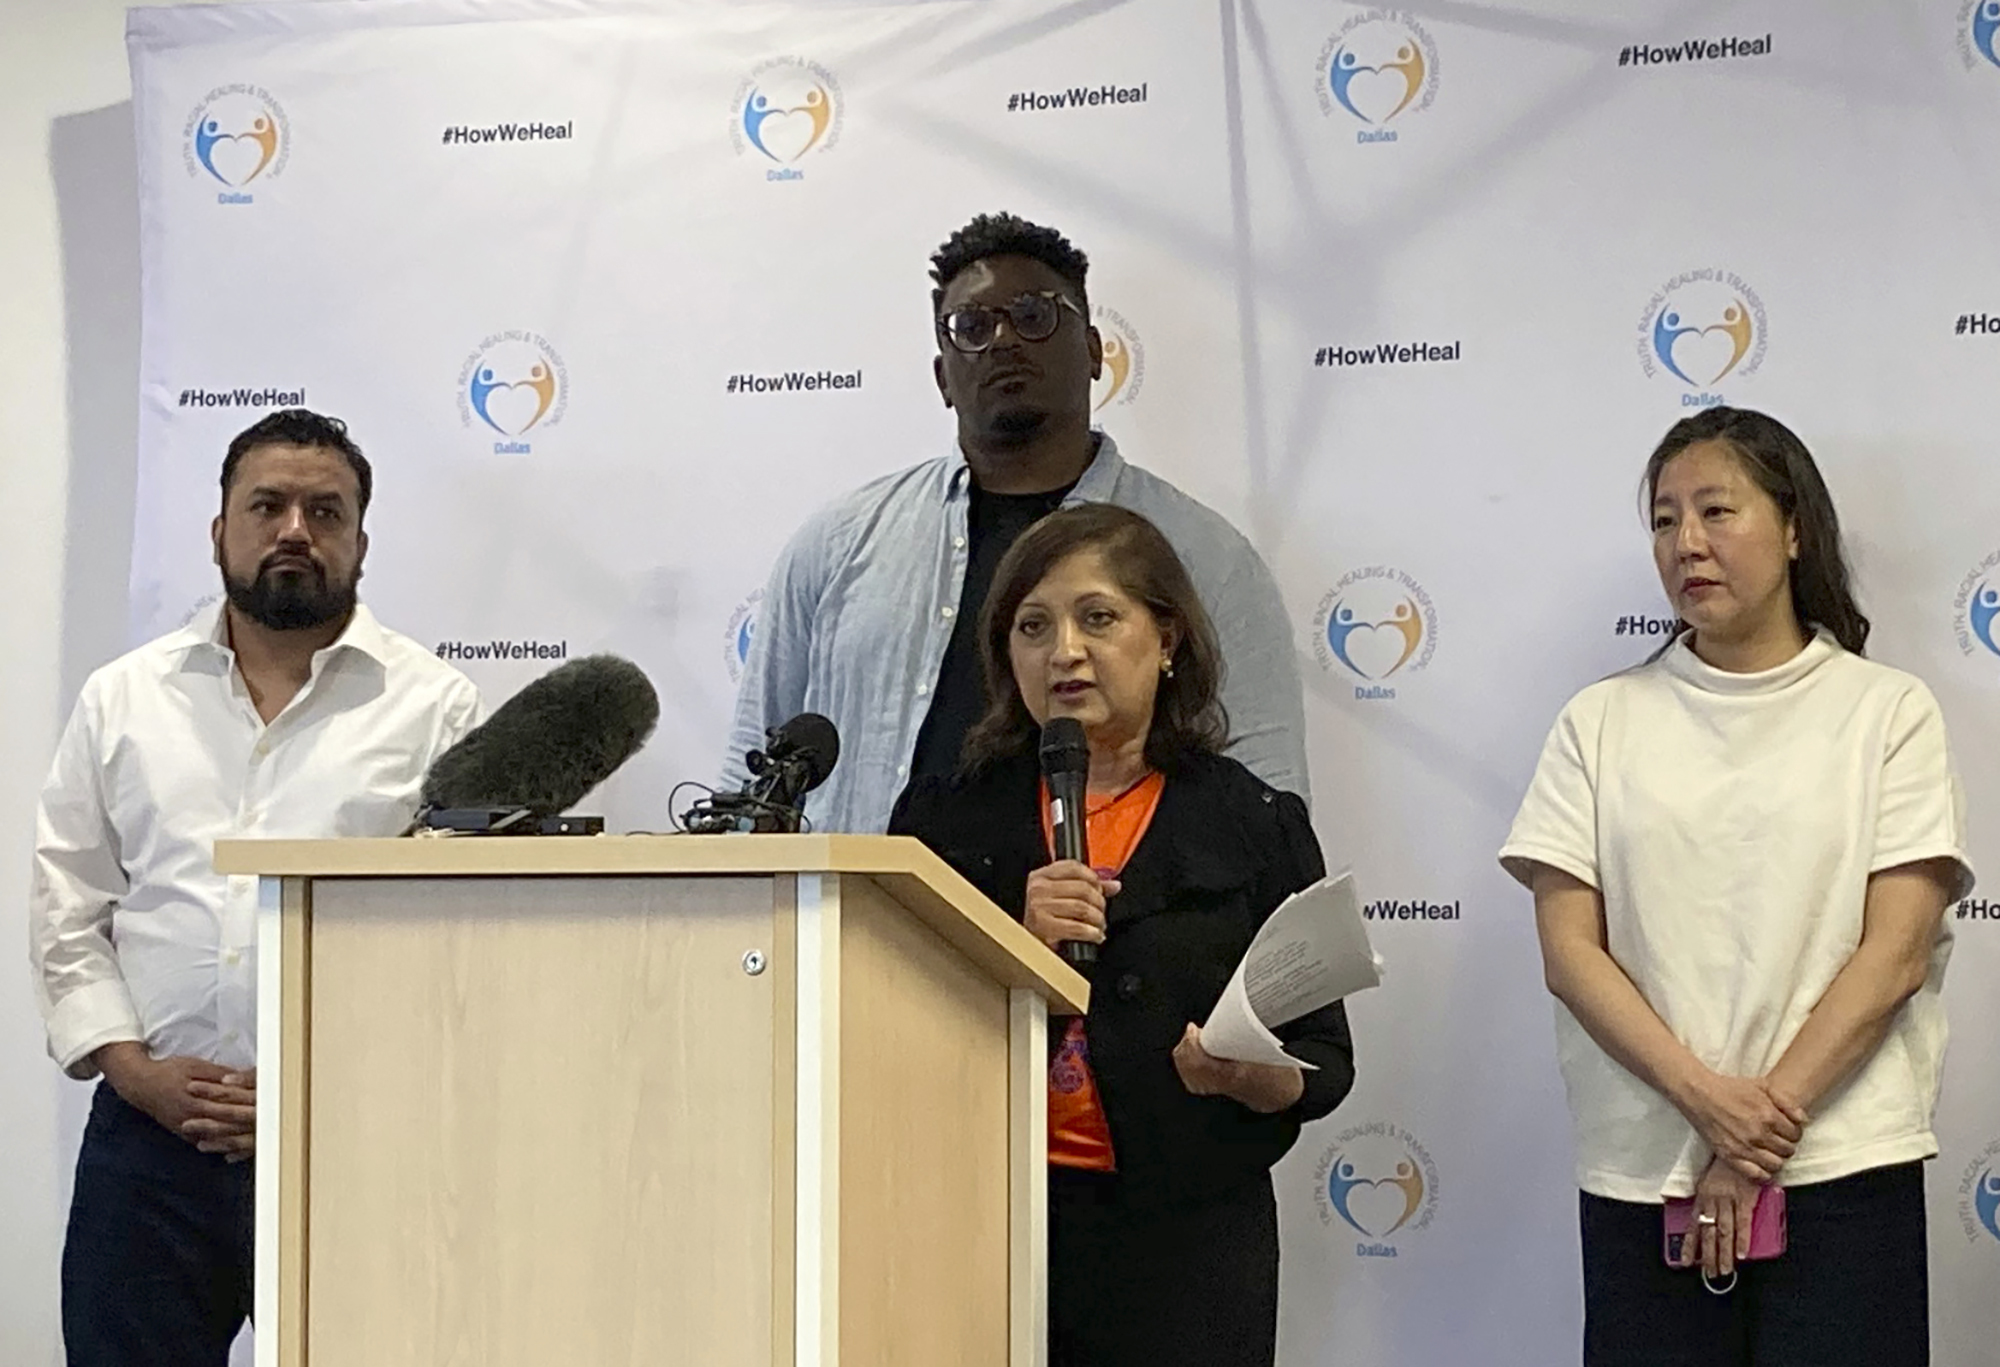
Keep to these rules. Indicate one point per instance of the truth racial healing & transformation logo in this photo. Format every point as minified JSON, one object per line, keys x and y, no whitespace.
{"x":513,"y":384}
{"x":1377,"y":1181}
{"x":237,"y":136}
{"x":1378,"y":69}
{"x":1701,"y":328}
{"x":1975,"y":611}
{"x":1376,"y":623}
{"x":1124,"y":371}
{"x":739,"y":635}
{"x":1979,"y":35}
{"x":1979,"y":1196}
{"x":786,"y":109}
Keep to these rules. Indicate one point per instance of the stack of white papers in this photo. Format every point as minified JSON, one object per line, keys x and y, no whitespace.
{"x":1313,"y":950}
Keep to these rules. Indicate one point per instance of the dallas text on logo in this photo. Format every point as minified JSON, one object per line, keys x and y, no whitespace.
{"x":503,"y":650}
{"x":1076,"y":97}
{"x":459,"y":134}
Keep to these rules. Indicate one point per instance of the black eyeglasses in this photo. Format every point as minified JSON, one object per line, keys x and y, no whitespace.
{"x":1034,"y":318}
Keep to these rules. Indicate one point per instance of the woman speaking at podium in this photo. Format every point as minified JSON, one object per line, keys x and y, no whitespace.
{"x":1163,"y":1232}
{"x":1741,"y":853}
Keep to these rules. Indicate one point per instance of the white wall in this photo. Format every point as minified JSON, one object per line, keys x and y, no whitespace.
{"x":69,"y":342}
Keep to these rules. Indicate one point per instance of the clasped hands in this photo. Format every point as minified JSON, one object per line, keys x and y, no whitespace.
{"x":1752,"y":1126}
{"x":211,"y":1107}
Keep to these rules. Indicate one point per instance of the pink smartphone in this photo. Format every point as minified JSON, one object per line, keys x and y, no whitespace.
{"x":1767,"y":1226}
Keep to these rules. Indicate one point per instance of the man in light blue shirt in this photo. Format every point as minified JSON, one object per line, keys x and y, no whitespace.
{"x":870,"y":616}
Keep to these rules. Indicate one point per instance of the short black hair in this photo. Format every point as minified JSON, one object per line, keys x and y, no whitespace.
{"x":299,"y":427}
{"x":1005,"y":234}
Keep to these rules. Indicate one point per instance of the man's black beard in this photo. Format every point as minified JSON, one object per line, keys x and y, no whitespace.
{"x":290,"y":600}
{"x":1017,"y":426}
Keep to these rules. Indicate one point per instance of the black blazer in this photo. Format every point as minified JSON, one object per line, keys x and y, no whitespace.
{"x":1224,"y":849}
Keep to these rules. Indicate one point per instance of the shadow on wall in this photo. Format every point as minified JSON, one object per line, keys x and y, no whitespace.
{"x":94,"y":164}
{"x":93,"y":159}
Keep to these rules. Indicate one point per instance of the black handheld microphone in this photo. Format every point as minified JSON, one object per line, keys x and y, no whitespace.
{"x":542,"y":751}
{"x":796,"y":758}
{"x":1065,"y":768}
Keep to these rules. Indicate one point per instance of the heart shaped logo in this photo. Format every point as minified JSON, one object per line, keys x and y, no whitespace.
{"x":1376,"y":1206}
{"x":1377,"y":68}
{"x":236,"y":160}
{"x":786,"y":134}
{"x":513,"y":383}
{"x":1376,"y":650}
{"x":1702,"y":327}
{"x":512,"y":409}
{"x":1373,"y":95}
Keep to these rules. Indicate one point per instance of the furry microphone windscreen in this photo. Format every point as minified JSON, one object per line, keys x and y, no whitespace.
{"x":551,"y":743}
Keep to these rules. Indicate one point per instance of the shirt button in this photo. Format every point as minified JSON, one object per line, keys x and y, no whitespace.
{"x":947,"y":613}
{"x":958,"y":543}
{"x":263,"y":749}
{"x":923,"y":689}
{"x":232,"y":958}
{"x":1128,"y":987}
{"x":902,"y":770}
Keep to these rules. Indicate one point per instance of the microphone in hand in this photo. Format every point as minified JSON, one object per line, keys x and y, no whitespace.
{"x":1065,"y":757}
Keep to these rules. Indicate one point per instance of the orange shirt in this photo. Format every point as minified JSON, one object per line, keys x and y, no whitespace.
{"x":1079,"y":1135}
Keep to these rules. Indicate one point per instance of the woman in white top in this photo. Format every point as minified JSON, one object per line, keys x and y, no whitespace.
{"x":1741,"y":852}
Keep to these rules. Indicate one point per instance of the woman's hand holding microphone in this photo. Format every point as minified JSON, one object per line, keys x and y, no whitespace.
{"x":1066,"y":902}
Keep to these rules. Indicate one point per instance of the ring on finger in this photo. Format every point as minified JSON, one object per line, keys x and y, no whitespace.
{"x":1705,"y":1219}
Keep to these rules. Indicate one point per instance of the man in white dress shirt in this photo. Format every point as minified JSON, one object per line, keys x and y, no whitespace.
{"x":283,"y":710}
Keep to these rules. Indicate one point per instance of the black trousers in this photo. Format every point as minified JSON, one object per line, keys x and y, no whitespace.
{"x":1851,"y":1288}
{"x":157,"y":1269}
{"x":1132,"y":1285}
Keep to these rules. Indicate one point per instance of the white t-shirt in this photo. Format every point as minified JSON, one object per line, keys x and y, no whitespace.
{"x":1731,"y":822}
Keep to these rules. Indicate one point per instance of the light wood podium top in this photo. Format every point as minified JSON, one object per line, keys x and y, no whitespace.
{"x":909,"y":871}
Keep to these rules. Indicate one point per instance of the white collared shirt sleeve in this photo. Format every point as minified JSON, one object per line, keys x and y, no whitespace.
{"x":78,"y":883}
{"x":133,"y":935}
{"x":462,"y":712}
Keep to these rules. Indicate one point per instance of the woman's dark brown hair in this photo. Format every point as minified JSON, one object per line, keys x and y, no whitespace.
{"x":1188,"y":716}
{"x":1775,"y":458}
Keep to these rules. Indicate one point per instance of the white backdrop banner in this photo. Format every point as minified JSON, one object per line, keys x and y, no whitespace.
{"x":615,"y":294}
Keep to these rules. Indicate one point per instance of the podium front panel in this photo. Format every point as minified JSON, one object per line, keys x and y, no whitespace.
{"x":542,"y":1124}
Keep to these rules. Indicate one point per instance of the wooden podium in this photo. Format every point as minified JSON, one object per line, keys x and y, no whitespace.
{"x":715,"y":1101}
